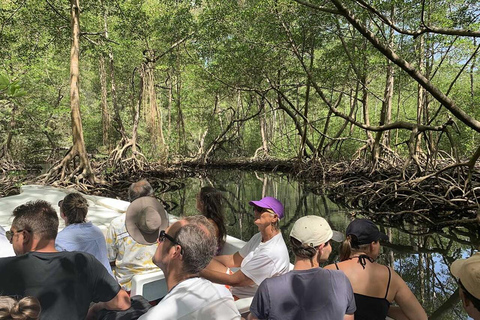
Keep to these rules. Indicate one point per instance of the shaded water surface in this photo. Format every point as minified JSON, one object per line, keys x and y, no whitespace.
{"x":422,"y":261}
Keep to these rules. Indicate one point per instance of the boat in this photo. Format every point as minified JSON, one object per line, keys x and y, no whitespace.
{"x":101,"y":210}
{"x":152,"y":285}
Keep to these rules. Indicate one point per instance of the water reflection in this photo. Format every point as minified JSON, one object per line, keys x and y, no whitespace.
{"x":421,"y":260}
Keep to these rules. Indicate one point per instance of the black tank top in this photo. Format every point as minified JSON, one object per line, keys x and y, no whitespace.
{"x":371,"y":308}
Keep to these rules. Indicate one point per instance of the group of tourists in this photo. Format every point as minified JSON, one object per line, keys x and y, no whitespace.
{"x":78,"y":273}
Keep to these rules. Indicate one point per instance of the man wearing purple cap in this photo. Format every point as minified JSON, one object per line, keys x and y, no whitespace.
{"x":264,"y":256}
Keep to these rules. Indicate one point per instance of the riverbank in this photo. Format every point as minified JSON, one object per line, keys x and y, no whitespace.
{"x":391,"y":194}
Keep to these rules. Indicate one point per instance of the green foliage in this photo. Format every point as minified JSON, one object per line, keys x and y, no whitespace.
{"x":10,"y":89}
{"x":216,"y":61}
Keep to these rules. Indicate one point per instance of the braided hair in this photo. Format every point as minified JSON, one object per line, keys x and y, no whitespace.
{"x":27,"y":308}
{"x":75,"y":208}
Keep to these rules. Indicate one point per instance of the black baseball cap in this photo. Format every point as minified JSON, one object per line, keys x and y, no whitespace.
{"x":365,"y":231}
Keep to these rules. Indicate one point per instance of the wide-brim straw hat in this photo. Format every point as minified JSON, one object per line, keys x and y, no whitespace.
{"x":144,"y":219}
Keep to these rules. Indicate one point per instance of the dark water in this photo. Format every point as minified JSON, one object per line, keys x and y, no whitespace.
{"x":422,"y":261}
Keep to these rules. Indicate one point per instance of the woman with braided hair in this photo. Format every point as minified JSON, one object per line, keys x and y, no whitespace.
{"x":80,"y":234}
{"x":210,"y":205}
{"x":375,"y":286}
{"x":27,"y":308}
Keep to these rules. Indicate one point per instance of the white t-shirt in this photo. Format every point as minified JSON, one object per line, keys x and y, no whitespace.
{"x":262,"y":260}
{"x":6,"y":249}
{"x":195,"y":298}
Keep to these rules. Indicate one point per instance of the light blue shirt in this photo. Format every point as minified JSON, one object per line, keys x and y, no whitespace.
{"x":84,"y":237}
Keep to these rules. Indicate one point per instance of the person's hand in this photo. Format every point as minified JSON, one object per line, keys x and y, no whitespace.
{"x":91,"y":315}
{"x":93,"y":312}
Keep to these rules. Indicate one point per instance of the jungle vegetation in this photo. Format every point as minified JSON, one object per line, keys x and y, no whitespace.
{"x":373,"y":90}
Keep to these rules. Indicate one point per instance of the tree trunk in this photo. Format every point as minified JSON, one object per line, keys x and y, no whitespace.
{"x":103,"y":102}
{"x":170,"y":101}
{"x":153,"y":114}
{"x":180,"y":123}
{"x":388,"y":96}
{"x":364,"y":83}
{"x":421,"y":94}
{"x":77,"y":129}
{"x":5,"y":148}
{"x":83,"y":170}
{"x":263,"y":133}
{"x":302,"y":151}
{"x":386,"y":112}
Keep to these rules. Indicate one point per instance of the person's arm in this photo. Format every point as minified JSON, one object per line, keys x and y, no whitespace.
{"x":110,"y":238}
{"x":251,"y":316}
{"x":120,"y":302}
{"x":410,"y":308}
{"x":238,"y":279}
{"x":348,"y":317}
{"x":396,"y":313}
{"x":260,"y":306}
{"x":230,"y":260}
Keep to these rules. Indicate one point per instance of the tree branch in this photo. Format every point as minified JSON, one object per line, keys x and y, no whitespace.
{"x":416,"y":33}
{"x":407,"y":67}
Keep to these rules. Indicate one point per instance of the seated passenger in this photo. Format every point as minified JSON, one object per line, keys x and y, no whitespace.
{"x":210,"y":204}
{"x":375,"y":286}
{"x":264,"y":256}
{"x":27,"y":308}
{"x":184,"y":249}
{"x":80,"y":235}
{"x":308,"y":291}
{"x":6,"y":249}
{"x":66,"y":283}
{"x":467,"y":272}
{"x":132,"y":237}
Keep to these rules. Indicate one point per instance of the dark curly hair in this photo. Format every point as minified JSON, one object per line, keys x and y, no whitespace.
{"x":212,"y":208}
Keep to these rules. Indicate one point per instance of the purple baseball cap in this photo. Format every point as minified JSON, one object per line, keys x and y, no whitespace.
{"x":270,"y":203}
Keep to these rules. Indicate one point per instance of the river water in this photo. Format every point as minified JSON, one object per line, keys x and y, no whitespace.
{"x":422,"y":261}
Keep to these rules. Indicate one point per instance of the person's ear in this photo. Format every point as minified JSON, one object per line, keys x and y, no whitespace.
{"x":320,"y":249}
{"x":176,"y":251}
{"x":27,"y":236}
{"x":465,"y":301}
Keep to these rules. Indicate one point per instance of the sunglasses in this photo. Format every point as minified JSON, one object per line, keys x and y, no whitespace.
{"x":163,"y":235}
{"x":9,"y":234}
{"x":259,"y":210}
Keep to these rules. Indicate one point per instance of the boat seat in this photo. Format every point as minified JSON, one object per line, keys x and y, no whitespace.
{"x":152,"y":286}
{"x":243,"y":305}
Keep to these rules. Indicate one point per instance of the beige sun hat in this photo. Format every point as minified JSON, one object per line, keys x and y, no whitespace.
{"x":468,"y":272}
{"x":313,"y":231}
{"x":144,"y":219}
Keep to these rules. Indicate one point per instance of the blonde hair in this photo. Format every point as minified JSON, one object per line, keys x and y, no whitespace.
{"x":27,"y":308}
{"x":275,"y":225}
